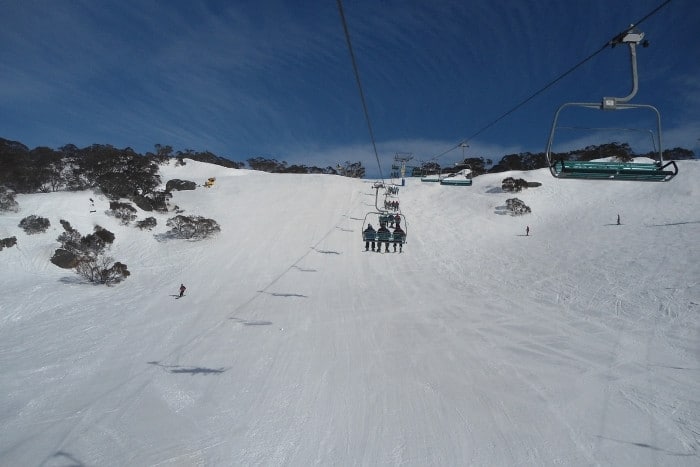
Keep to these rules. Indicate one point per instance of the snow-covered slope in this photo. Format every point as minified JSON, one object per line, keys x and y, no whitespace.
{"x":576,"y":345}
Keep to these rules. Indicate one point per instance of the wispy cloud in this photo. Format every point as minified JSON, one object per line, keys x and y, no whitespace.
{"x":273,"y":78}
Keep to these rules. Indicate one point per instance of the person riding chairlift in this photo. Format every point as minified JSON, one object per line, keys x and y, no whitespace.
{"x":399,"y":236}
{"x":387,"y":233}
{"x":369,"y":233}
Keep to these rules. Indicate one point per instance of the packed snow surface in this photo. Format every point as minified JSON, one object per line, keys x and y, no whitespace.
{"x":478,"y":345}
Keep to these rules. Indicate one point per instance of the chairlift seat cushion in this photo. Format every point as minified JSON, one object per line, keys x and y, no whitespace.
{"x":369,"y":236}
{"x":597,"y":170}
{"x":384,"y":236}
{"x":458,"y":182}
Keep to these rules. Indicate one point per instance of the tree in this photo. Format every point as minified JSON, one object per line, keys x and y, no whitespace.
{"x":54,"y":174}
{"x":510,"y":184}
{"x":296,"y":169}
{"x":86,"y":255}
{"x":430,"y":168}
{"x":14,"y":159}
{"x":103,"y":234}
{"x":476,"y":164}
{"x":46,"y":166}
{"x":90,"y":245}
{"x":163,"y":152}
{"x":352,"y":170}
{"x":125,"y":212}
{"x":70,"y":239}
{"x":34,"y":224}
{"x":7,"y":200}
{"x":532,"y":161}
{"x":22,"y":172}
{"x":676,"y":154}
{"x":192,"y":227}
{"x":517,"y":207}
{"x":7,"y":242}
{"x":147,"y":223}
{"x":620,"y":151}
{"x":211,"y":158}
{"x":94,"y":244}
{"x":508,"y":162}
{"x":521,"y":161}
{"x":266,"y":165}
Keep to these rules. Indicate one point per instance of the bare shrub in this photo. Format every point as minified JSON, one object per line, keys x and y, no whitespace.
{"x":102,"y":270}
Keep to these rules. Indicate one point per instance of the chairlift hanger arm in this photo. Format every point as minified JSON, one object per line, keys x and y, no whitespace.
{"x":632,"y":37}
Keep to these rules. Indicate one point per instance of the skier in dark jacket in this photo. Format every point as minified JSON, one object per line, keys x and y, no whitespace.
{"x":383,"y":235}
{"x":182,"y":289}
{"x":399,"y":237}
{"x":368,"y":235}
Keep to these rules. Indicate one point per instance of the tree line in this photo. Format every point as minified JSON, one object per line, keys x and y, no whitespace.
{"x":124,"y":173}
{"x":119,"y":173}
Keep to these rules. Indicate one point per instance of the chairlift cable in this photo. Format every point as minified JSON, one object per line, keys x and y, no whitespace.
{"x":610,"y":43}
{"x":359,"y":86}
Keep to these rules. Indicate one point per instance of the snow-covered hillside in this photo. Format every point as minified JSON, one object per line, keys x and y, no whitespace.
{"x":576,"y":345}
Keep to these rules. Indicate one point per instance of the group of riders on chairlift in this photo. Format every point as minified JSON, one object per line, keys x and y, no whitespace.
{"x":384,"y":235}
{"x":391,"y":205}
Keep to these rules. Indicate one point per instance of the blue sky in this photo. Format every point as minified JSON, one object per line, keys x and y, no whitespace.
{"x":273,"y":78}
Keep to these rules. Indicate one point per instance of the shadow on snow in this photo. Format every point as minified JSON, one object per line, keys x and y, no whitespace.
{"x":191,"y":370}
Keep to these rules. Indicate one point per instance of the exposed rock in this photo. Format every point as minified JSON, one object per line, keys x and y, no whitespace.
{"x":180,"y":185}
{"x":64,"y":259}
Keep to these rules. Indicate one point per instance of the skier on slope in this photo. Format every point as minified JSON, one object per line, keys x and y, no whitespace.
{"x":182,"y":289}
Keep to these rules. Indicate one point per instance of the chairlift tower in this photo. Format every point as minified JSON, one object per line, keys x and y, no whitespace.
{"x":402,"y":158}
{"x":464,"y":146}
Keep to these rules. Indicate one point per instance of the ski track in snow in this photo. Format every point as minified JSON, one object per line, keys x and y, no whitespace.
{"x":577,"y":345}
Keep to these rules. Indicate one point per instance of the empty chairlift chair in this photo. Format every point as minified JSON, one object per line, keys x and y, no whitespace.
{"x":657,"y":171}
{"x":461,"y":178}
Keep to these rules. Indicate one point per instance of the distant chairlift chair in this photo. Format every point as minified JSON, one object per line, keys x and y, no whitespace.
{"x":430,"y":178}
{"x":461,"y":178}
